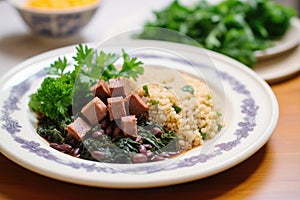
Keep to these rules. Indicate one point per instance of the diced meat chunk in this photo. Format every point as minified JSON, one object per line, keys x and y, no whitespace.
{"x":101,"y":90}
{"x":136,"y":104}
{"x":129,"y":125}
{"x":119,"y":87}
{"x":116,"y":107}
{"x":94,"y":111}
{"x":78,"y":129}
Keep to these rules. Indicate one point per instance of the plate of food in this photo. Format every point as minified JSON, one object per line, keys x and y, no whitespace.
{"x":136,"y":114}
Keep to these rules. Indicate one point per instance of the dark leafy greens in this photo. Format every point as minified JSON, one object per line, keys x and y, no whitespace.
{"x":233,"y":27}
{"x":120,"y":149}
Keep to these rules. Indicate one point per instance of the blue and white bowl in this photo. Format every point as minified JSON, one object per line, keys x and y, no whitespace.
{"x":61,"y":23}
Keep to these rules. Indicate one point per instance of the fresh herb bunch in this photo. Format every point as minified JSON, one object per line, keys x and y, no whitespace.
{"x":54,"y":99}
{"x":233,"y":27}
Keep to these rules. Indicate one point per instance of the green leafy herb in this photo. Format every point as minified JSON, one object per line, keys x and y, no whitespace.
{"x":51,"y":134}
{"x":154,"y":102}
{"x":167,"y":143}
{"x":177,"y":108}
{"x":54,"y":97}
{"x":120,"y":149}
{"x":203,"y":135}
{"x":145,"y":88}
{"x":236,"y":28}
{"x":82,"y":53}
{"x":100,"y":65}
{"x":115,"y":152}
{"x":170,"y":140}
{"x":167,"y":87}
{"x":128,"y":144}
{"x":104,"y":67}
{"x":58,"y":67}
{"x":188,"y":88}
{"x":131,"y":67}
{"x":220,"y":127}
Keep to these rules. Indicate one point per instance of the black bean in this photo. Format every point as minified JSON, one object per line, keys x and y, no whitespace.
{"x":62,"y":147}
{"x":149,"y":154}
{"x":173,"y":153}
{"x":139,"y":158}
{"x":156,"y":131}
{"x":116,"y":131}
{"x":138,"y":138}
{"x":72,"y":142}
{"x":109,"y":129}
{"x":104,"y":123}
{"x":98,"y":154}
{"x":148,"y":146}
{"x":75,"y":152}
{"x":164,"y":155}
{"x":54,"y":145}
{"x":65,"y":147}
{"x":142,"y":149}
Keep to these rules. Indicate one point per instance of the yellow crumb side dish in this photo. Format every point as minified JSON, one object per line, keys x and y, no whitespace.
{"x":58,"y":5}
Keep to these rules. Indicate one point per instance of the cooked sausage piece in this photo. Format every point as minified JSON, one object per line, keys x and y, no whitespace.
{"x":119,"y":87}
{"x":116,"y":107}
{"x":78,"y":129}
{"x":101,"y":90}
{"x":129,"y":125}
{"x":136,"y":104}
{"x":94,"y":111}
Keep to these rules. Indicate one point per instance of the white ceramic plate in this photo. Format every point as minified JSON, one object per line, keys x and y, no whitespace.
{"x":290,"y":40}
{"x":281,"y":61}
{"x":280,"y":67}
{"x":249,"y":106}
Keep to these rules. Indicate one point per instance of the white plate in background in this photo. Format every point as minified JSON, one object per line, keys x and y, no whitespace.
{"x":290,"y":40}
{"x":280,"y":67}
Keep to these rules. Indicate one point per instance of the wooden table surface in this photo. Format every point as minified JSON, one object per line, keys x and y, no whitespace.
{"x":271,"y":173}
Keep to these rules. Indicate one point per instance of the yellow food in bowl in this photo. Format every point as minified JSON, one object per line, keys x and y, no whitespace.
{"x":58,"y":5}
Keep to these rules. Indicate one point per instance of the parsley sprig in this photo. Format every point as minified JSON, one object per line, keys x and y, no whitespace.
{"x":131,"y":67}
{"x":58,"y":67}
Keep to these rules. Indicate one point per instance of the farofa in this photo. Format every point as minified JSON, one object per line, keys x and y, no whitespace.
{"x":197,"y":119}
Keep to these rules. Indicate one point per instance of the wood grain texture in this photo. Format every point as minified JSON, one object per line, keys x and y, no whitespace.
{"x":271,"y":173}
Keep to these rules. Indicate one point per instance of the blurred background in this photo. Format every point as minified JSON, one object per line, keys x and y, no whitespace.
{"x":113,"y":17}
